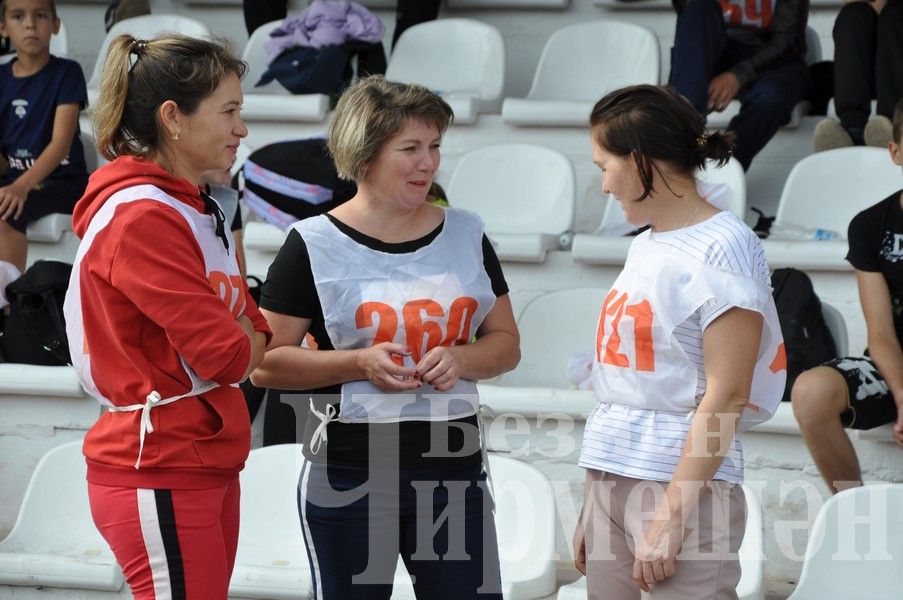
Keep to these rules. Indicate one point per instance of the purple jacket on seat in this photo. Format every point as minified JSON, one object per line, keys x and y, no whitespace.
{"x":325,"y":23}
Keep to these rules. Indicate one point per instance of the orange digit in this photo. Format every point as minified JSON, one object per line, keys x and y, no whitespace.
{"x":757,"y":14}
{"x":388,"y":322}
{"x":779,"y":363}
{"x":220,"y":284}
{"x":416,"y":328}
{"x":731,"y":12}
{"x":642,"y":333}
{"x":460,"y":316}
{"x":612,"y":356}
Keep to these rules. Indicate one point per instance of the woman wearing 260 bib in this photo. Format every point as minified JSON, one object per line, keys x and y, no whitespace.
{"x":392,"y":289}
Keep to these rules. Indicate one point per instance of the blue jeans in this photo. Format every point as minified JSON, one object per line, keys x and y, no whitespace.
{"x":356,"y":522}
{"x":702,"y":50}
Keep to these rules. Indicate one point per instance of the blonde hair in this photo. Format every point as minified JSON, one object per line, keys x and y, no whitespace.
{"x":373,"y":110}
{"x":140,"y":75}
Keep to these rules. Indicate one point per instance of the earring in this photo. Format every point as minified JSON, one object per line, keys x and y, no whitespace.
{"x":175,"y":137}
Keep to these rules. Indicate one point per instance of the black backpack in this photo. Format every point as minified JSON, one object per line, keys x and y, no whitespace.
{"x":34,"y":331}
{"x":807,"y":339}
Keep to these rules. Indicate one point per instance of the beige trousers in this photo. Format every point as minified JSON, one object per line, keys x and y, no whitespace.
{"x":615,"y":512}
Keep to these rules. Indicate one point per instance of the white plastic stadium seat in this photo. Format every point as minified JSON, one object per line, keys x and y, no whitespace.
{"x":720,"y":120}
{"x":525,"y":526}
{"x":525,"y":194}
{"x":855,"y":547}
{"x":54,"y":542}
{"x":838,"y":326}
{"x":828,"y":188}
{"x":553,"y":327}
{"x":579,"y":64}
{"x":143,"y":27}
{"x":59,"y":43}
{"x":725,"y":187}
{"x":462,"y":60}
{"x":752,"y":558}
{"x":271,"y":561}
{"x":272,"y":102}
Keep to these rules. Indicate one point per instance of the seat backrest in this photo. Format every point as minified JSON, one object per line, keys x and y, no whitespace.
{"x":838,"y":326}
{"x":92,"y":157}
{"x":725,"y":187}
{"x":813,"y":46}
{"x":146,"y":27}
{"x":732,"y":196}
{"x":553,"y":327}
{"x":855,"y":546}
{"x":826,"y":190}
{"x":585,"y":61}
{"x":451,"y":57}
{"x":516,"y":188}
{"x":59,"y":42}
{"x":269,"y":484}
{"x":258,"y":60}
{"x":55,"y":513}
{"x":523,"y":495}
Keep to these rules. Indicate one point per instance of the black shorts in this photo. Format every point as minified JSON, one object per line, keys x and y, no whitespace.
{"x":48,"y":197}
{"x":870,"y":403}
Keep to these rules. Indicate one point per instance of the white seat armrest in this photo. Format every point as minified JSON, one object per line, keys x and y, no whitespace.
{"x":807,"y":255}
{"x":50,"y":228}
{"x":532,"y":401}
{"x":285,"y":107}
{"x":262,"y":236}
{"x":549,"y":113}
{"x":36,"y":380}
{"x":600,"y":249}
{"x":523,"y":247}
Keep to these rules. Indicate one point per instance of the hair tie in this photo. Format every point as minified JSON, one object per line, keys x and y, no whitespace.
{"x":138,"y":47}
{"x":701,"y":140}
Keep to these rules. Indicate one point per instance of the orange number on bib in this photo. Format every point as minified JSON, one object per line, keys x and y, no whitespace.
{"x":416,"y":329}
{"x":615,"y":306}
{"x":229,"y":288}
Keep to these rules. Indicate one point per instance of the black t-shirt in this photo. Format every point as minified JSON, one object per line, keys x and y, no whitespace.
{"x":290,"y":290}
{"x":876,"y":245}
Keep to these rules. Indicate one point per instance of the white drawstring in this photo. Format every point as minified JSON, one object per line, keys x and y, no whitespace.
{"x":320,"y":435}
{"x":152,"y":400}
{"x":484,"y":452}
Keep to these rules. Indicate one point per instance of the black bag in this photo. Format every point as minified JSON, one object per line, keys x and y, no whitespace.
{"x":34,"y":331}
{"x":807,"y":340}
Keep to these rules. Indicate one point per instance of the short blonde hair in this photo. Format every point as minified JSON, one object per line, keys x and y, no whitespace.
{"x":373,"y":110}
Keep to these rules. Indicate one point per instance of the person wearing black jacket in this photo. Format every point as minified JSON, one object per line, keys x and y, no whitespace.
{"x":754,"y":52}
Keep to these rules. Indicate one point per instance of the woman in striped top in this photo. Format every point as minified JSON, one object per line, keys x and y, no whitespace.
{"x":688,"y":351}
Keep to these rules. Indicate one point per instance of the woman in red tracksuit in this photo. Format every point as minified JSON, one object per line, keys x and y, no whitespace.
{"x":161,"y":321}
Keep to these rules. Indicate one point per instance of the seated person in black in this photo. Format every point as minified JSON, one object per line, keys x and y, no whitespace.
{"x":862,"y":392}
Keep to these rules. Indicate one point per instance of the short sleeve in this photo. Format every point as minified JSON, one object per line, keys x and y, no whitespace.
{"x":864,"y":240}
{"x":72,"y":88}
{"x":289,"y":288}
{"x":494,"y":268}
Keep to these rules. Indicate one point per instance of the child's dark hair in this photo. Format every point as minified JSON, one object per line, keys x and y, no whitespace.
{"x":654,"y":123}
{"x":3,"y":10}
{"x":140,"y":75}
{"x":898,"y":122}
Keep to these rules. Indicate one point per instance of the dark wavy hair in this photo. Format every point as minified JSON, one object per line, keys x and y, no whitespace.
{"x":655,"y":124}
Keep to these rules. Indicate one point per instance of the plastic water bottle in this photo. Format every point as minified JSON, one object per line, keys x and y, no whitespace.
{"x":791,"y":232}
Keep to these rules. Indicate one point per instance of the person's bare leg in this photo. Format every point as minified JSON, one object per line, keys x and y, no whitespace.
{"x":819,"y":397}
{"x":13,"y":251}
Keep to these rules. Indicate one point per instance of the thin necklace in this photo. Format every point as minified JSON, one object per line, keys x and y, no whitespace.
{"x":692,"y":214}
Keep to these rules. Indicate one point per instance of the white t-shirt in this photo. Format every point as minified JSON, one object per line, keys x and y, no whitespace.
{"x":623,"y":435}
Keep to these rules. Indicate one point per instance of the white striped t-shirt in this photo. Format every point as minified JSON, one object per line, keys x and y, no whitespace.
{"x":647,"y":444}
